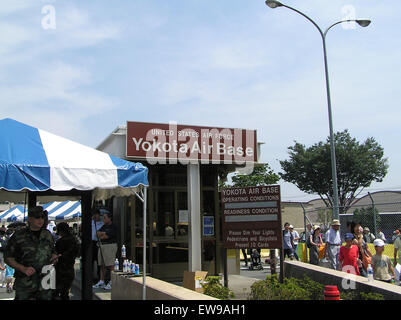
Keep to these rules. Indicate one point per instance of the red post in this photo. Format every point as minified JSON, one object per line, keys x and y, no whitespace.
{"x":331,"y":293}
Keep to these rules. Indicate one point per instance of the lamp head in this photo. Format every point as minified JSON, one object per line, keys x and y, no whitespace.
{"x":363,"y":23}
{"x":273,"y":4}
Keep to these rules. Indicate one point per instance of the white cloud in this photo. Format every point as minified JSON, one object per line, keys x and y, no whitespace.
{"x":13,"y":6}
{"x":76,"y":28}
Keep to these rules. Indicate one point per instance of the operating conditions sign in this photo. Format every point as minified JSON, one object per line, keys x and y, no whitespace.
{"x":252,"y":217}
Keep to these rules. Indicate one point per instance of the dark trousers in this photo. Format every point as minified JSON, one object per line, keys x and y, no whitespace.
{"x":245,"y":256}
{"x":64,"y":279}
{"x":95,"y":249}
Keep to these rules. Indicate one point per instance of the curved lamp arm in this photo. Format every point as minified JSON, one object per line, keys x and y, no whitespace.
{"x":303,"y":14}
{"x":275,"y":4}
{"x":362,"y":23}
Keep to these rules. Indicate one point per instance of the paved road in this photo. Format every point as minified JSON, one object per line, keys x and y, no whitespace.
{"x":6,"y":296}
{"x":74,"y":295}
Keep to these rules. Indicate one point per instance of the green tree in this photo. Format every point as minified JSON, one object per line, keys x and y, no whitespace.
{"x":261,"y":175}
{"x":358,"y":165}
{"x":366,"y":217}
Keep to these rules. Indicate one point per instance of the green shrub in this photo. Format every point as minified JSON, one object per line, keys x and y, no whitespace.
{"x":301,"y":289}
{"x":371,"y":296}
{"x":315,"y":289}
{"x":349,"y":295}
{"x":355,"y":295}
{"x":291,"y":289}
{"x":213,"y":288}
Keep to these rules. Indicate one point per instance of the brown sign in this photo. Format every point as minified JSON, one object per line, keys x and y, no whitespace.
{"x":252,"y":217}
{"x":182,"y":143}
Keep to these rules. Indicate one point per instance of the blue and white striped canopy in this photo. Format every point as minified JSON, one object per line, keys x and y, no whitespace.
{"x":35,"y":160}
{"x":57,"y":210}
{"x":13,"y":214}
{"x":63,"y":210}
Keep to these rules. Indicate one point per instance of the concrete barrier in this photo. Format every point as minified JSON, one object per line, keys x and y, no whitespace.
{"x":343,"y":280}
{"x":130,"y":288}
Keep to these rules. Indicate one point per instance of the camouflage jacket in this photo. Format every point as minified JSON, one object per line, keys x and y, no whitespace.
{"x":29,"y":250}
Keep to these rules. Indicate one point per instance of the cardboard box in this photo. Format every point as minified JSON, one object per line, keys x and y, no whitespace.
{"x":193,"y":280}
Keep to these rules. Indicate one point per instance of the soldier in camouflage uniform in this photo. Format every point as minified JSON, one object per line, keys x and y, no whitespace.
{"x":28,"y":251}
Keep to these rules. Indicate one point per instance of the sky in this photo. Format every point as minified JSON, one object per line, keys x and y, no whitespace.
{"x":80,"y":69}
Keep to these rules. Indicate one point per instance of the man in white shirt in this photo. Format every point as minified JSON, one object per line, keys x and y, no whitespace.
{"x":380,"y":235}
{"x":333,"y":244}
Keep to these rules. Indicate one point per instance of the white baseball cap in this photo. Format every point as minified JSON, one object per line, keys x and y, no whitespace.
{"x":378,"y":243}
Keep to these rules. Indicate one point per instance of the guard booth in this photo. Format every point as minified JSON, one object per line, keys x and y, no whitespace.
{"x":184,"y":214}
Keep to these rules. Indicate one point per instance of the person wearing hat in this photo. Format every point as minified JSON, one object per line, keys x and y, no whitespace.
{"x":333,"y":244}
{"x":349,"y":256}
{"x":28,"y":251}
{"x":288,"y":242}
{"x":380,"y":235}
{"x":367,"y":236}
{"x":68,"y":249}
{"x":381,"y":264}
{"x":315,"y":243}
{"x":396,"y":233}
{"x":107,"y":250}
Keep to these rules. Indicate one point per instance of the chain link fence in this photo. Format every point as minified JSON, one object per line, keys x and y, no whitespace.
{"x":378,"y":219}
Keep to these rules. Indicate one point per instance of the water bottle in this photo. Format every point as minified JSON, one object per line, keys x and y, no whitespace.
{"x":116,"y":265}
{"x":125,"y":266}
{"x":370,"y":273}
{"x":137,"y":269}
{"x":132,"y":267}
{"x":123,"y":252}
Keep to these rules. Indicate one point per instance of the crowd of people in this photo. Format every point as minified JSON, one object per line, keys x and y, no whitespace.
{"x":27,"y":249}
{"x":37,"y":259}
{"x":354,"y":256}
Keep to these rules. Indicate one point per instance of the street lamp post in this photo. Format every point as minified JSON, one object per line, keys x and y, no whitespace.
{"x":363,"y":23}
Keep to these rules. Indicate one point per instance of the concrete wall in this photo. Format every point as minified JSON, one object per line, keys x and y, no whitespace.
{"x":125,"y":288}
{"x":327,"y":276}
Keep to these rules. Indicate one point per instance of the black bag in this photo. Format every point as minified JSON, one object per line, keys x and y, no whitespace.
{"x":307,"y":241}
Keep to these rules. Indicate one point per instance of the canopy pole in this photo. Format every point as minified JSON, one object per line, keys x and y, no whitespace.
{"x":145,"y":189}
{"x":31,"y":200}
{"x":86,"y":248}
